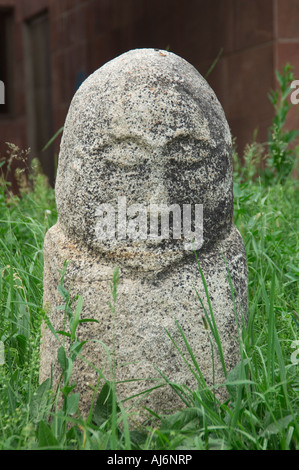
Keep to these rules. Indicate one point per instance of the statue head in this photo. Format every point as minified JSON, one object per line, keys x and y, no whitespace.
{"x":145,"y":142}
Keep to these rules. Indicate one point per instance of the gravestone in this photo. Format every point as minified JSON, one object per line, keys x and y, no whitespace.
{"x":144,"y":179}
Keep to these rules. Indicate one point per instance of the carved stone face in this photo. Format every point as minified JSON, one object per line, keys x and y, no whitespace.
{"x":144,"y":129}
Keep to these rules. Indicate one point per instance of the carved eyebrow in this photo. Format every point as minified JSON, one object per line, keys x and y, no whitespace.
{"x":111,"y":140}
{"x":146,"y":141}
{"x":194,"y":155}
{"x":112,"y":149}
{"x":187,"y":137}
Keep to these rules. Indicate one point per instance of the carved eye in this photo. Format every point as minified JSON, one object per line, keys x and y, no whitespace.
{"x":126,"y":153}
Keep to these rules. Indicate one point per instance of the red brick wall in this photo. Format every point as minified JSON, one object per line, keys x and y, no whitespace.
{"x":257,"y":36}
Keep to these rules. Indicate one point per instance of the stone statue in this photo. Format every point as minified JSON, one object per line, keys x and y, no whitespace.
{"x":144,"y":182}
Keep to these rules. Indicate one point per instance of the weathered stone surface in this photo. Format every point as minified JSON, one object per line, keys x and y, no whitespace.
{"x":145,"y":126}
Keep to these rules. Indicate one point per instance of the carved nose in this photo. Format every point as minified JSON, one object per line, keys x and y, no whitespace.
{"x":158,"y":193}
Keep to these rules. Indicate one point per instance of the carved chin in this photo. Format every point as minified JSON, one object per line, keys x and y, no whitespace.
{"x":144,"y":255}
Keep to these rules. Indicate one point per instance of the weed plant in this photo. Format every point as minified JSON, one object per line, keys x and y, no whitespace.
{"x":262,"y":409}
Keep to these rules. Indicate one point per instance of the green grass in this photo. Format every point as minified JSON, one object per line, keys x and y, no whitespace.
{"x":262,"y":410}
